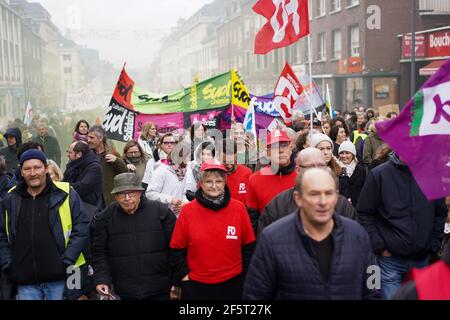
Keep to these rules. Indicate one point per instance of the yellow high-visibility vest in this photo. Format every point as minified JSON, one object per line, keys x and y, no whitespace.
{"x":64,"y":216}
{"x":356,"y":135}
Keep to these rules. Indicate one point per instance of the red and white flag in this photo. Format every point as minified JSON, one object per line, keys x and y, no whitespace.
{"x":288,"y":21}
{"x":28,"y":115}
{"x":287,"y":91}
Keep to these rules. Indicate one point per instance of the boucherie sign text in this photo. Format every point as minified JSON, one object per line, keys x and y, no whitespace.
{"x":429,"y":45}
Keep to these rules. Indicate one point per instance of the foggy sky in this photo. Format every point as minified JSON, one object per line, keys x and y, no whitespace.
{"x":120,"y":30}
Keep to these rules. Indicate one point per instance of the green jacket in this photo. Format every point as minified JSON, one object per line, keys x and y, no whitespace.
{"x":110,"y":170}
{"x":373,"y":142}
{"x":51,"y":147}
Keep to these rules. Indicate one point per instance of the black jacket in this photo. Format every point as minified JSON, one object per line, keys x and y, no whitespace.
{"x":284,"y":204}
{"x":10,"y":152}
{"x":85,"y":175}
{"x":35,"y":257}
{"x":350,"y":187}
{"x":397,"y":215}
{"x":284,"y":266}
{"x":131,"y":252}
{"x":80,"y":225}
{"x":5,"y":185}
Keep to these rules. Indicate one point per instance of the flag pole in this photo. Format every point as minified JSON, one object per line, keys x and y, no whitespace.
{"x":311,"y":84}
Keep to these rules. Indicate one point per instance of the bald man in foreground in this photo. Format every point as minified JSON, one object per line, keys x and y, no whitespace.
{"x":314,"y":253}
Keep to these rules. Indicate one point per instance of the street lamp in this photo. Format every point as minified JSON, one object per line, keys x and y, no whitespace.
{"x":413,"y":48}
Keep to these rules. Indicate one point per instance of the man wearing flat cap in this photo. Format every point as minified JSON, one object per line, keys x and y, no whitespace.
{"x":43,"y":229}
{"x":130,"y":244}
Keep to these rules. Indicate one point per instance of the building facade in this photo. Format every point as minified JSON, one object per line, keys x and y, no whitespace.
{"x":12,"y":92}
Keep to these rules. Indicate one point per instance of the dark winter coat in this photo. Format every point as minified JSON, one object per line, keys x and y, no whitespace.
{"x":10,"y":152}
{"x":5,"y":185}
{"x":80,"y":225}
{"x":131,"y":252}
{"x":350,"y":187}
{"x":284,"y":266}
{"x":86,"y":177}
{"x":284,"y":204}
{"x":397,"y":215}
{"x":51,"y":147}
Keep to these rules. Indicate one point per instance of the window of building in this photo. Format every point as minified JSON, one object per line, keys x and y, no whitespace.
{"x":276,"y":61}
{"x":335,"y":5}
{"x":353,"y":92}
{"x":354,"y":41}
{"x":67,"y":57}
{"x":258,"y":62}
{"x":320,"y":10}
{"x":68,"y":70}
{"x":266,"y":61}
{"x":287,"y":54}
{"x":321,"y":47}
{"x":337,"y":44}
{"x":296,"y":53}
{"x":352,"y":3}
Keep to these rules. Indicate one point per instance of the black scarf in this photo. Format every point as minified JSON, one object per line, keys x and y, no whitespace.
{"x":286,"y":170}
{"x":211,"y":204}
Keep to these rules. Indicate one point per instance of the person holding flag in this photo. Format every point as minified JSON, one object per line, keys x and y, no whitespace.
{"x":402,"y":204}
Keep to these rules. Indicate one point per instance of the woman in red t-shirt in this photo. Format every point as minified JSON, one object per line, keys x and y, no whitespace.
{"x":212,"y":241}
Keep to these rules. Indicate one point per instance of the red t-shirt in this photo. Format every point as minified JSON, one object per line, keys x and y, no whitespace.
{"x":238,"y":183}
{"x":213,"y":240}
{"x":264,"y":186}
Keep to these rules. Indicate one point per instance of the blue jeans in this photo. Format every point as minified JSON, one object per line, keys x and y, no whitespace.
{"x":393,"y":270}
{"x":47,"y":291}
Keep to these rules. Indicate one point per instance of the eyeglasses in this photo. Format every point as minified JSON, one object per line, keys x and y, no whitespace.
{"x":322,"y":166}
{"x":130,"y":194}
{"x":171,"y":143}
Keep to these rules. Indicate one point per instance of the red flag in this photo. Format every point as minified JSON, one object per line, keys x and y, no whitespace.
{"x":288,"y":21}
{"x":124,"y":88}
{"x":287,"y":91}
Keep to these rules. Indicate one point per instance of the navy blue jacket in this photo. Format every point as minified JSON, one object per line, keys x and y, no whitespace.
{"x":284,"y":266}
{"x":397,"y":215}
{"x":78,"y":236}
{"x":5,"y":185}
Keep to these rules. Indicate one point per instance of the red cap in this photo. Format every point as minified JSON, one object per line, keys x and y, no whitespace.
{"x":277,"y":136}
{"x":212,"y":165}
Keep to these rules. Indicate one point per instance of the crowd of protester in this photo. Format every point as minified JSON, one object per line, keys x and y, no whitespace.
{"x":305,"y":214}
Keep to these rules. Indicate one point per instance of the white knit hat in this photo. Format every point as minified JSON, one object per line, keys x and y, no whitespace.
{"x":347,"y":146}
{"x":318,"y":138}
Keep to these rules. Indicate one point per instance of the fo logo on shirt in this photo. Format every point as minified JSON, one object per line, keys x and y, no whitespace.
{"x":242,"y":188}
{"x":231,"y":233}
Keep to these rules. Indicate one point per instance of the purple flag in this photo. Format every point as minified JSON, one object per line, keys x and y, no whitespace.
{"x":420,"y":135}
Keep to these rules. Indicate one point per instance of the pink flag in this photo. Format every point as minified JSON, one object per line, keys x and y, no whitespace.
{"x":420,"y":135}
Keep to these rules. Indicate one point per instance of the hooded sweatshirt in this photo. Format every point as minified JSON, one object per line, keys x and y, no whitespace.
{"x":10,"y":152}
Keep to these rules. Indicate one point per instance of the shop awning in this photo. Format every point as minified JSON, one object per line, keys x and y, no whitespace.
{"x":431,"y":68}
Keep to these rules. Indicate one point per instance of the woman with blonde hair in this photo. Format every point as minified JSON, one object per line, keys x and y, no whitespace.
{"x":54,"y":171}
{"x":148,"y":138}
